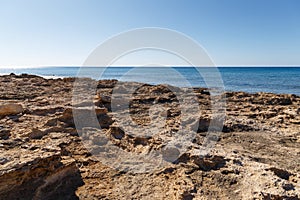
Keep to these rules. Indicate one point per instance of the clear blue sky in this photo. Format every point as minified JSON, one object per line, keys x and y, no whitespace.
{"x":234,"y":32}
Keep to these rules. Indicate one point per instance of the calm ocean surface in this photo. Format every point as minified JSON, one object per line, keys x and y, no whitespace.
{"x":249,"y":79}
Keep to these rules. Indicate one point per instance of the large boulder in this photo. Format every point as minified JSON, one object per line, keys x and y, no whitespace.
{"x":86,"y":117}
{"x":39,"y":174}
{"x":10,"y":109}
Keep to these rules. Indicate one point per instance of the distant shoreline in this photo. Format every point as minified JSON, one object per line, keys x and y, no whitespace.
{"x":277,"y":80}
{"x":268,"y":86}
{"x":71,"y":77}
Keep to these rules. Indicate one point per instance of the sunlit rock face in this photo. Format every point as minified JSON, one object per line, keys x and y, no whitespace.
{"x":47,"y":154}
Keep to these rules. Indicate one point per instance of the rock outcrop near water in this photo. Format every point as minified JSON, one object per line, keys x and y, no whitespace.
{"x":47,"y":154}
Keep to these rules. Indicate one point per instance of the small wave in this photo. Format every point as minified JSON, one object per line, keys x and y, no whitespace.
{"x":52,"y":77}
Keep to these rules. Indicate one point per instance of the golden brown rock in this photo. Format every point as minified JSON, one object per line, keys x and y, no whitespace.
{"x":10,"y":109}
{"x":44,"y":156}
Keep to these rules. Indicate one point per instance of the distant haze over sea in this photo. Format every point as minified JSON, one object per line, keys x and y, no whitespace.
{"x":249,"y":79}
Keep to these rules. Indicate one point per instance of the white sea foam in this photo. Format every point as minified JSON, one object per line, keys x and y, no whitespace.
{"x":44,"y":76}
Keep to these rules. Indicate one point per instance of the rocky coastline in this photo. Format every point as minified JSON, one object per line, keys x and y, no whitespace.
{"x":257,"y":155}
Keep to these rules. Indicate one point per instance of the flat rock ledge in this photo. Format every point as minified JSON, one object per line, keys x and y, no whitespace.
{"x":43,"y":154}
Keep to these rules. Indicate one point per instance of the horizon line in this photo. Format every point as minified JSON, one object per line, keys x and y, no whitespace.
{"x":46,"y":66}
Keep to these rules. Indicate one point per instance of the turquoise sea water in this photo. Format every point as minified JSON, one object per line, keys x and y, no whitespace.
{"x":249,"y":79}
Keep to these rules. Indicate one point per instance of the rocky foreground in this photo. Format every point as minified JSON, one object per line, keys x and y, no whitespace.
{"x":257,"y":155}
